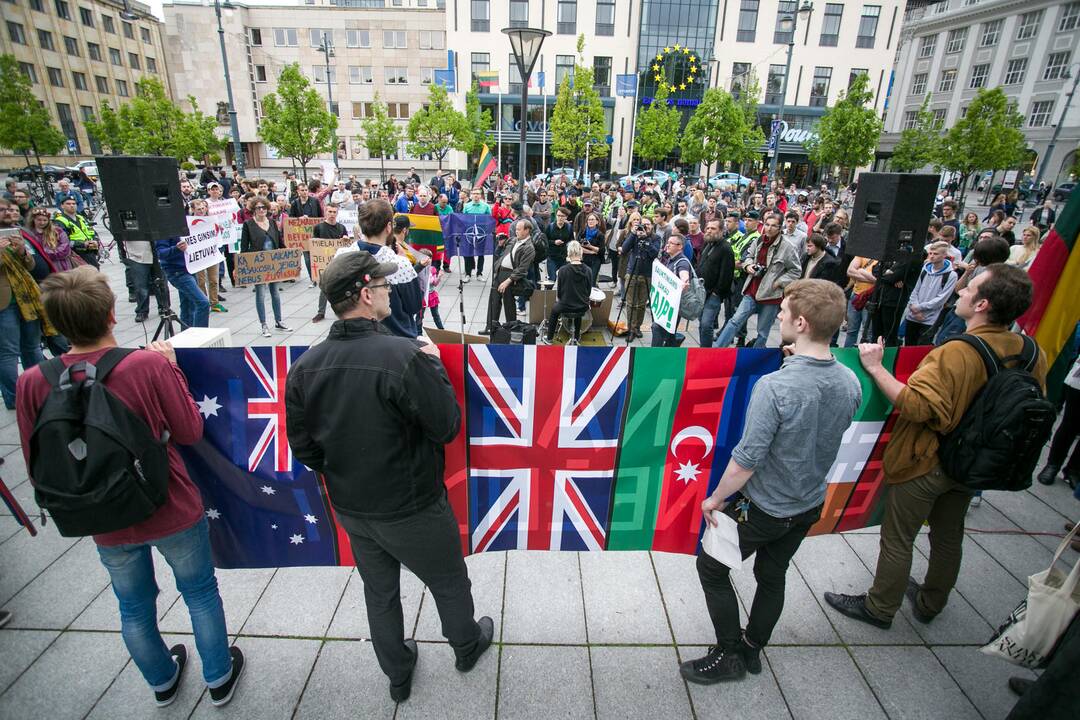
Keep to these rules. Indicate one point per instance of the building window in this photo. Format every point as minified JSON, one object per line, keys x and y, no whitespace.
{"x":909,"y":119}
{"x":255,"y":36}
{"x":394,"y":39}
{"x":398,"y":111}
{"x":1014,"y":73}
{"x":151,"y":65}
{"x":918,"y":84}
{"x":108,"y":24}
{"x":941,"y":7}
{"x":427,"y":75}
{"x":868,"y":26}
{"x":315,"y":36}
{"x":56,"y":77}
{"x":144,"y":33}
{"x":979,"y":75}
{"x":519,"y":13}
{"x":819,"y":90}
{"x":16,"y":33}
{"x":62,"y":10}
{"x":133,"y":61}
{"x":566,"y":20}
{"x":86,"y":15}
{"x":927,"y":45}
{"x":102,"y":83}
{"x":260,"y":73}
{"x":319,"y":73}
{"x":1040,"y":113}
{"x":948,"y":81}
{"x":357,"y":110}
{"x":747,"y":21}
{"x":1070,"y":18}
{"x":605,"y":17}
{"x":94,"y":51}
{"x":991,"y":33}
{"x":44,"y":38}
{"x":480,"y":62}
{"x":121,"y":88}
{"x":1055,"y":65}
{"x":481,"y":15}
{"x":785,"y":8}
{"x":515,"y":77}
{"x":564,"y":65}
{"x":854,"y":73}
{"x":774,"y":87}
{"x":432,"y":40}
{"x":78,"y":80}
{"x":358,"y":38}
{"x":129,"y":30}
{"x":602,"y":75}
{"x":67,"y":124}
{"x":29,"y":71}
{"x":396,"y":75}
{"x":285,"y":37}
{"x":334,"y":108}
{"x":739,"y":71}
{"x":71,"y":46}
{"x":830,"y":25}
{"x":114,"y":57}
{"x":360,"y":75}
{"x":1029,"y":25}
{"x":939,"y":116}
{"x":955,"y":42}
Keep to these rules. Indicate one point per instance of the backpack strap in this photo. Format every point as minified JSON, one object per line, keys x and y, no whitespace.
{"x":1027,"y":356}
{"x":989,"y":357}
{"x":108,"y":361}
{"x":52,"y":370}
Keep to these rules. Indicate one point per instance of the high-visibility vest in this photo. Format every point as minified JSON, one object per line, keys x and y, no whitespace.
{"x":739,"y":244}
{"x":78,"y":231}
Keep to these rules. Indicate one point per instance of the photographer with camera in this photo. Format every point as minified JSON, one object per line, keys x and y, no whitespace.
{"x":895,"y":281}
{"x":642,"y":246}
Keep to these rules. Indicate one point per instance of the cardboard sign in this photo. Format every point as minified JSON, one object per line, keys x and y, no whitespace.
{"x":322,"y":252}
{"x":297,"y":232}
{"x":664,"y":296}
{"x":348,"y":219}
{"x":233,"y":227}
{"x":259,"y":268}
{"x":204,"y":242}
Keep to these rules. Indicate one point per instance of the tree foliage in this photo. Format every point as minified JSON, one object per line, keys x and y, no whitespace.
{"x":918,"y":145}
{"x":657,"y":128}
{"x":577,"y":120}
{"x":849,"y":131}
{"x":296,"y":121}
{"x":721,"y":131}
{"x":106,"y":129}
{"x":25,"y":125}
{"x":438,"y":127}
{"x":988,"y":137}
{"x":382,"y":136}
{"x":480,"y":121}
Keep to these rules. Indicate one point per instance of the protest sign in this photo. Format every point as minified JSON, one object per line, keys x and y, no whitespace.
{"x":322,"y":252}
{"x":664,"y":296}
{"x":258,"y":268}
{"x":204,"y":242}
{"x":233,"y":227}
{"x":348,"y":219}
{"x":298,"y":231}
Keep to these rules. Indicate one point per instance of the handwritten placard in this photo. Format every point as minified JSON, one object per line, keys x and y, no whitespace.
{"x":259,"y":268}
{"x":233,"y":227}
{"x":664,"y":296}
{"x":323,"y":251}
{"x":298,"y":232}
{"x":204,"y":242}
{"x":347,"y":218}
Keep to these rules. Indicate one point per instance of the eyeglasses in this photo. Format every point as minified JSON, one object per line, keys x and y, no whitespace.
{"x":380,"y":285}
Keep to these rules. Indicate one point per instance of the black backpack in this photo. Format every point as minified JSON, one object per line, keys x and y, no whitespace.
{"x":999,"y":439}
{"x":514,"y":332}
{"x":96,"y":465}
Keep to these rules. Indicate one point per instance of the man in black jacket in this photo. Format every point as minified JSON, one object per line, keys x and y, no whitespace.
{"x":559,"y":234}
{"x":896,"y":280}
{"x":511,"y":269}
{"x":371,"y":412}
{"x":819,"y":264}
{"x":716,"y":266}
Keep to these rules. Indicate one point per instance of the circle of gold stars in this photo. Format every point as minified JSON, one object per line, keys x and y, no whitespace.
{"x":675,"y":52}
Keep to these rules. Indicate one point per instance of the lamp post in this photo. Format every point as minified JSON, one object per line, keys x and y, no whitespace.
{"x":787,"y":24}
{"x":327,"y":49}
{"x":1057,"y":129}
{"x":238,"y":152}
{"x":525,"y":43}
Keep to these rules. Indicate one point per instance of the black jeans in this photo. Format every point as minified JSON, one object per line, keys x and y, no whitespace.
{"x":428,"y":544}
{"x":775,"y":540}
{"x":474,"y":263}
{"x":496,"y":300}
{"x":575,"y":313}
{"x":1067,"y":432}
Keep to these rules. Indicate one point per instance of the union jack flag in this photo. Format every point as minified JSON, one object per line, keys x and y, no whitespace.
{"x":543,"y":426}
{"x":270,"y":408}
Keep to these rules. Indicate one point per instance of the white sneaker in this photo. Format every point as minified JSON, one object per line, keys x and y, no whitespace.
{"x":265,"y":330}
{"x":282,"y":326}
{"x":480,"y":276}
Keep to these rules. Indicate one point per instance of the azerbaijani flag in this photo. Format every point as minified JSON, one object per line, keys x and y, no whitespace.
{"x":1054,"y":310}
{"x":487,"y":165}
{"x":487,"y":78}
{"x":426,"y":232}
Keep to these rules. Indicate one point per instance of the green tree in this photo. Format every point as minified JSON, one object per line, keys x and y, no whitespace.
{"x":480,"y":121}
{"x":657,"y":128}
{"x":382,"y":136}
{"x":719,"y":132}
{"x":25,"y":125}
{"x":988,"y":137}
{"x":747,"y":99}
{"x":107,"y":130}
{"x":438,"y":128}
{"x":150,"y":122}
{"x":577,"y":120}
{"x":849,"y":131}
{"x":918,"y":145}
{"x":1074,"y":170}
{"x":296,"y":121}
{"x":197,"y":137}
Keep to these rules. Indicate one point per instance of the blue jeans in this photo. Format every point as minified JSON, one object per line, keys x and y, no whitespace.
{"x":275,"y":301}
{"x":19,"y":339}
{"x":855,"y":320}
{"x":131,"y":569}
{"x":709,"y":315}
{"x":194,"y":306}
{"x":766,"y":315}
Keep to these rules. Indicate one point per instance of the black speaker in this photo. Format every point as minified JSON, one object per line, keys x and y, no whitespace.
{"x":891,"y":210}
{"x":143,"y":196}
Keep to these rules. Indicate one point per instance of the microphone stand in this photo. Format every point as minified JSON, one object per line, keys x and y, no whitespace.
{"x":622,"y":301}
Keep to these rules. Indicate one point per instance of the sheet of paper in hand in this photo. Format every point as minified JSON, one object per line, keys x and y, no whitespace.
{"x":722,"y":542}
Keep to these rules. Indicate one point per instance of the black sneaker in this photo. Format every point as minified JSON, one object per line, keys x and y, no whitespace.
{"x":854,"y":606}
{"x":1049,"y":474}
{"x":319,"y":317}
{"x":751,"y":655}
{"x":1020,"y":685}
{"x":5,"y":617}
{"x":715,"y":667}
{"x":487,"y":631}
{"x":485,"y":331}
{"x":912,"y":594}
{"x":222,"y":694}
{"x":140,"y":317}
{"x":401,"y":691}
{"x":164,"y":698}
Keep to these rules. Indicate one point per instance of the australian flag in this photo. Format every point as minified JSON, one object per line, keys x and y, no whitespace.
{"x":468,"y":235}
{"x":264,"y":507}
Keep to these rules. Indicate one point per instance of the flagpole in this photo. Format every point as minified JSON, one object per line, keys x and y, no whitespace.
{"x":498,"y":124}
{"x":543,"y":134}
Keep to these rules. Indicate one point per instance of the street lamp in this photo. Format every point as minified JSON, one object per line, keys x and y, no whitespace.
{"x":126,"y":13}
{"x":525,"y":43}
{"x":788,"y":23}
{"x":1057,"y":130}
{"x":327,"y":49}
{"x":238,"y":151}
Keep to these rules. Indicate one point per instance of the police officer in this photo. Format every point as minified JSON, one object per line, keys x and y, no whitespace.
{"x":83,"y":238}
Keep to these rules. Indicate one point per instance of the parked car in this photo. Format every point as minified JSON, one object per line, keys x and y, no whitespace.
{"x":728,"y":181}
{"x":556,"y":173}
{"x":28,"y":174}
{"x":1062,"y":192}
{"x":1023,"y":190}
{"x":89,"y":165}
{"x":662,"y":177}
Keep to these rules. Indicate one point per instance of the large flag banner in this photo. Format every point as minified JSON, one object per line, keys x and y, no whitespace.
{"x":426,"y":232}
{"x":468,"y":235}
{"x":575,"y":448}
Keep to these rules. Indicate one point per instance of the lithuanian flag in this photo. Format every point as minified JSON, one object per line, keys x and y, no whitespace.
{"x":426,"y":232}
{"x":1054,"y":310}
{"x":487,"y":165}
{"x":487,"y":78}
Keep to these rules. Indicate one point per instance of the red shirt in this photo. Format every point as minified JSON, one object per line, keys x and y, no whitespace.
{"x":755,"y":282}
{"x":503,"y":217}
{"x":156,"y":391}
{"x":428,"y":209}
